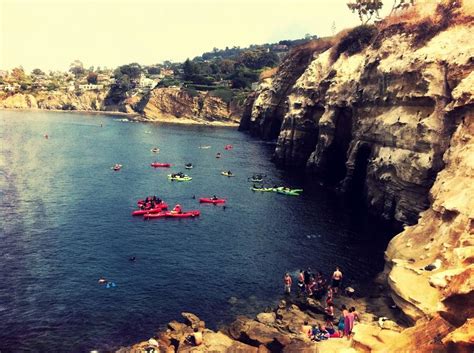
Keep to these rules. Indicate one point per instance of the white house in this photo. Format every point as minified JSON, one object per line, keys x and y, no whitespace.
{"x":90,"y":87}
{"x":11,"y":87}
{"x":146,"y":82}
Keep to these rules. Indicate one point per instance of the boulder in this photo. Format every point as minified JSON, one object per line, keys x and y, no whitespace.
{"x":192,"y":320}
{"x":266,"y":318}
{"x":301,"y":347}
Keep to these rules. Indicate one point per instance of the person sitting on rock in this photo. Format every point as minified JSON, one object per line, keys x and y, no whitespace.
{"x":306,"y":330}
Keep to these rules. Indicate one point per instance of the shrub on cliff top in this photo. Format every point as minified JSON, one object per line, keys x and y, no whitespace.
{"x":354,"y":41}
{"x":222,"y":93}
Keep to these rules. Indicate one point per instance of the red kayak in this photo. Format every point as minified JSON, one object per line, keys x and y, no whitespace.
{"x":172,"y":214}
{"x":210,"y":200}
{"x":160,"y":165}
{"x":158,"y":208}
{"x":228,"y":147}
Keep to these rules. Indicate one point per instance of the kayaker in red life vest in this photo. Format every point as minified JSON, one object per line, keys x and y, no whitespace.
{"x":177,"y":209}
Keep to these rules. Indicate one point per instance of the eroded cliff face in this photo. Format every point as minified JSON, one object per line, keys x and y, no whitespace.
{"x":267,"y":106}
{"x":162,"y":104}
{"x":375,"y":121}
{"x":383,"y":124}
{"x":178,"y":105}
{"x":88,"y":101}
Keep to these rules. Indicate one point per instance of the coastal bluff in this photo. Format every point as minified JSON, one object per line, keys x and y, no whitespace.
{"x":175,"y":105}
{"x":390,"y":122}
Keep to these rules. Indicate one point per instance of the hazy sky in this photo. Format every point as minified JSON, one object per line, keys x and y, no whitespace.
{"x":50,"y":34}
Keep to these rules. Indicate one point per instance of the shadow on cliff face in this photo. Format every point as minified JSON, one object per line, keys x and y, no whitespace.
{"x":355,"y":184}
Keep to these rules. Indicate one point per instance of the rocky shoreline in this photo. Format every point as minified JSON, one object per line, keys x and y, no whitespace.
{"x":279,"y":329}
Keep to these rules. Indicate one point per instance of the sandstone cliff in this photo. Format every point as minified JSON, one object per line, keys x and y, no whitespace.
{"x":267,"y":106}
{"x":55,"y":100}
{"x":383,"y":121}
{"x":180,"y":105}
{"x":162,"y":104}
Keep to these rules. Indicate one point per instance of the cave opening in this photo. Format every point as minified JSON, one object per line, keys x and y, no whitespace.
{"x":358,"y":188}
{"x":338,"y":149}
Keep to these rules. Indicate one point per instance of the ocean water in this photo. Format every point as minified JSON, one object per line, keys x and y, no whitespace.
{"x":65,"y":221}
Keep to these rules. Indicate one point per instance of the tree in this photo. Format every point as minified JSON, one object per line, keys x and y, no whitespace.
{"x":37,"y":72}
{"x":133,"y":71}
{"x":366,"y":9}
{"x":257,"y":59}
{"x":77,"y":68}
{"x":189,"y":70}
{"x":92,"y":78}
{"x":18,"y":73}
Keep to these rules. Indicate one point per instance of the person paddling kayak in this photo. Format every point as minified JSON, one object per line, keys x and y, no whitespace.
{"x":177,"y":209}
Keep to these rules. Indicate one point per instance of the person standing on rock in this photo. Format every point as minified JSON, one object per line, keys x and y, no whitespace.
{"x":301,"y":282}
{"x":307,"y":280}
{"x":348,"y":323}
{"x":340,"y":324}
{"x":288,"y":282}
{"x":336,"y":279}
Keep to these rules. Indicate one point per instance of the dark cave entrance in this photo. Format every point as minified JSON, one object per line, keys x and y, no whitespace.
{"x":358,"y":185}
{"x":338,"y":149}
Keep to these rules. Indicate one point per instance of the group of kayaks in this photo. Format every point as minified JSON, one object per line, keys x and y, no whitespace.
{"x":150,"y":209}
{"x":155,"y":208}
{"x":280,"y":190}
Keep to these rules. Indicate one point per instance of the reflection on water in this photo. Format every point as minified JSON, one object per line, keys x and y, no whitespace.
{"x":65,"y":220}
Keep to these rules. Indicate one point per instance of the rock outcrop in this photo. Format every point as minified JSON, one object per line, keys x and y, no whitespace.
{"x":18,"y":101}
{"x":162,"y":104}
{"x":266,"y":107}
{"x":392,"y":123}
{"x":55,"y":100}
{"x":180,"y":105}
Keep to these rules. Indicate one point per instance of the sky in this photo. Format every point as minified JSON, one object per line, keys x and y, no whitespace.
{"x":51,"y":34}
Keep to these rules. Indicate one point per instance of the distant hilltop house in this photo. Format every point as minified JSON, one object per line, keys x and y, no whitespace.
{"x":90,"y":87}
{"x":11,"y":87}
{"x":105,"y":79}
{"x":166,"y":73}
{"x":280,"y":47}
{"x":146,"y":82}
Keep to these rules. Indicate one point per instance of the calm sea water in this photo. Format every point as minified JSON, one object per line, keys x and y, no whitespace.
{"x":65,"y":221}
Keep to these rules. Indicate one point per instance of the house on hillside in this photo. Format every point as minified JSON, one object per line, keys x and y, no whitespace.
{"x":90,"y":87}
{"x":11,"y":87}
{"x":147,"y":83}
{"x":166,"y":73}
